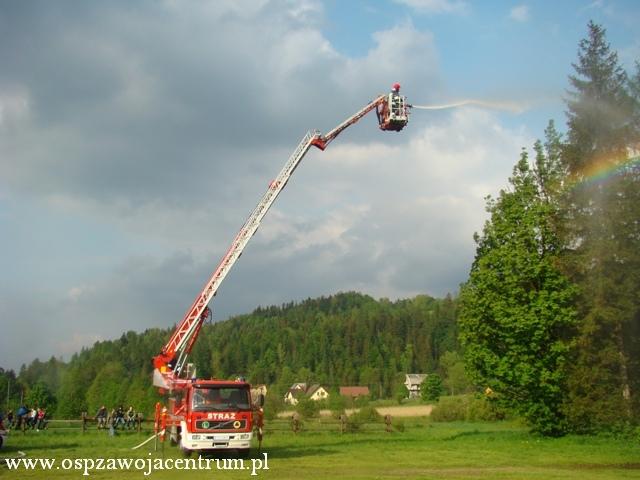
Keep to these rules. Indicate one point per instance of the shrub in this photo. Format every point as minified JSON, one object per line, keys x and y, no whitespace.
{"x":431,"y":388}
{"x":337,"y":404}
{"x":466,"y":408}
{"x":482,"y":408}
{"x":367,"y":415}
{"x":273,"y":404}
{"x":449,"y":409}
{"x":307,"y":408}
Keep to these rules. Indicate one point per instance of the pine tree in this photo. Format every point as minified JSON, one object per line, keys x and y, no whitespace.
{"x":516,"y":305}
{"x":600,"y":109}
{"x":603,"y":236}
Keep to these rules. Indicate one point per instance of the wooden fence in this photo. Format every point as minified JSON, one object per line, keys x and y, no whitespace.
{"x":86,"y":423}
{"x":295,"y":424}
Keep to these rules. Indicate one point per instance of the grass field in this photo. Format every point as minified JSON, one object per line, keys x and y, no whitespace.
{"x":424,"y":450}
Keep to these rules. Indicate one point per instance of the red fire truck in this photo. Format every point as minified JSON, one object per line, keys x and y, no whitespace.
{"x":219,"y":414}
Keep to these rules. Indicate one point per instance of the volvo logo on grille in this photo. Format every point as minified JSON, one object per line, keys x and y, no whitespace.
{"x":205,"y":424}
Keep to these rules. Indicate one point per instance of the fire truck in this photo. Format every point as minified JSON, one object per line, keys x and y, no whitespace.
{"x":206,"y":415}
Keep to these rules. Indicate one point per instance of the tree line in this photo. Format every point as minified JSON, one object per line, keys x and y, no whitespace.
{"x":343,"y":339}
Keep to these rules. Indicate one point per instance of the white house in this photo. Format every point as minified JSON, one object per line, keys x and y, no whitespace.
{"x":317,"y":392}
{"x":298,"y":390}
{"x":413,"y":382}
{"x":257,"y":390}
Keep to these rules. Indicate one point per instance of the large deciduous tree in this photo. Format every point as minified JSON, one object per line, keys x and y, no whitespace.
{"x":516,"y":306}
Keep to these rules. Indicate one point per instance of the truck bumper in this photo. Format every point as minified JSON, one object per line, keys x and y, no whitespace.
{"x":216,"y":441}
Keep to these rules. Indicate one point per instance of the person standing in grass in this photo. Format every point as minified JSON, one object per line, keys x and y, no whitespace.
{"x":33,"y":418}
{"x":131,"y":417}
{"x":101,"y":417}
{"x":41,"y":419}
{"x":22,"y":416}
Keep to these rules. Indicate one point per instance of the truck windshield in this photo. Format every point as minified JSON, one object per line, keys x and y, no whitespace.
{"x":220,"y":398}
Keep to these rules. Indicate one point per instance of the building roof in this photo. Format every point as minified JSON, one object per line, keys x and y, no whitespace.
{"x":313,"y":389}
{"x":295,"y":392}
{"x":415,"y":378}
{"x":354,"y":391}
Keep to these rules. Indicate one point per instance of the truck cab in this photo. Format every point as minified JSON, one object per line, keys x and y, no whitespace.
{"x":218,"y":415}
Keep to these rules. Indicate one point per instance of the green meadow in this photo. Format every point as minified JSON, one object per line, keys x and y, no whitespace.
{"x":423,"y":450}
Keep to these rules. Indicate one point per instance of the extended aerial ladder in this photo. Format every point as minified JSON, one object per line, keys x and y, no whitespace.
{"x":392,"y":113}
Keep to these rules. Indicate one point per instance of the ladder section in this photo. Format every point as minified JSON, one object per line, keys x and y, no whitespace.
{"x":323,"y":140}
{"x":191,"y":323}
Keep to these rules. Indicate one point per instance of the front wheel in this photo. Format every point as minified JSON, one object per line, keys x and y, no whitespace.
{"x":243,"y":453}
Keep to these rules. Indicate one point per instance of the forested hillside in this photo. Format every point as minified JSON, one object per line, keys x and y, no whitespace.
{"x":345,"y":339}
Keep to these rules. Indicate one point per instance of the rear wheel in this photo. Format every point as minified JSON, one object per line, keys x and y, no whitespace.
{"x":243,"y":452}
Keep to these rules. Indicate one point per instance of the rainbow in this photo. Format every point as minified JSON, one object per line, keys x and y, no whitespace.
{"x":605,"y":168}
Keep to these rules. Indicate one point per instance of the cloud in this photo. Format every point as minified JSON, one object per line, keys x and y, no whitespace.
{"x":436,"y":6}
{"x":131,"y":119}
{"x":135,"y":144}
{"x":14,"y":106}
{"x":605,"y":7}
{"x":520,"y":13}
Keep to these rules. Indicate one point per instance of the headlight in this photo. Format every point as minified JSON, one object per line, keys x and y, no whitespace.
{"x":195,"y":437}
{"x":244,"y":436}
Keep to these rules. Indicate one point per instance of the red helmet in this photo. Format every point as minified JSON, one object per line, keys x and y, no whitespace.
{"x":396,"y":87}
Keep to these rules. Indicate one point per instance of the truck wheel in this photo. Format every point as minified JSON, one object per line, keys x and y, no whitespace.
{"x":1,"y":441}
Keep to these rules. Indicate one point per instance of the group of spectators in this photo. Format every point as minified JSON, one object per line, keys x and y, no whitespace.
{"x":34,"y":418}
{"x":117,"y":417}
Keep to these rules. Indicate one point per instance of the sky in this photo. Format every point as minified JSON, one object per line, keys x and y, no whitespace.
{"x":136,"y":137}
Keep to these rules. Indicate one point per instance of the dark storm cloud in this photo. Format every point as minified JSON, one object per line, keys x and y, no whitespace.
{"x":129,"y":99}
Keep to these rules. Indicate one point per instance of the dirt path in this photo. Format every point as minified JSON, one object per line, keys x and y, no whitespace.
{"x":408,"y":411}
{"x":396,"y":411}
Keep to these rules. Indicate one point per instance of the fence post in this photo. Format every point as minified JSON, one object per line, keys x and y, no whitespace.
{"x":84,"y":422}
{"x":295,"y":423}
{"x":387,"y":422}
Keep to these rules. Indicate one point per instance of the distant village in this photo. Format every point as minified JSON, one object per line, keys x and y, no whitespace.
{"x":317,"y":392}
